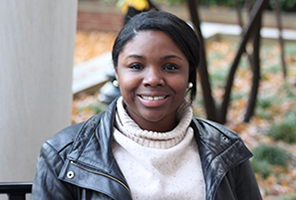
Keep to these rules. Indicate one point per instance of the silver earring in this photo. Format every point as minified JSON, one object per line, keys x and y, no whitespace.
{"x":189,"y":85}
{"x":115,"y":83}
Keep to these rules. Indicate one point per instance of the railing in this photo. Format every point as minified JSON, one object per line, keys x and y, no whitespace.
{"x":16,"y":191}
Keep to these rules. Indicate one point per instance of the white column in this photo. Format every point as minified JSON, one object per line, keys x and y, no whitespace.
{"x":37,"y":39}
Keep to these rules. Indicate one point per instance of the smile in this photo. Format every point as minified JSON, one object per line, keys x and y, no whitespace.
{"x":150,"y":98}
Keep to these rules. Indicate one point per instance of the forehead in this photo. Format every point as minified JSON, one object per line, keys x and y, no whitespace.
{"x":156,"y":41}
{"x":144,"y":35}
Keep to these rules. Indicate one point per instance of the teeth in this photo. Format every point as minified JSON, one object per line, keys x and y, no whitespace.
{"x":149,"y":98}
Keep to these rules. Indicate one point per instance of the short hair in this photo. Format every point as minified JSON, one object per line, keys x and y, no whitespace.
{"x":177,"y":29}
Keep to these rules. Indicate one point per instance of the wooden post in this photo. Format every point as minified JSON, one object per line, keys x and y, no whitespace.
{"x":37,"y":40}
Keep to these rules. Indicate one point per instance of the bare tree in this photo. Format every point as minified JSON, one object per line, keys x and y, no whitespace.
{"x":251,"y":32}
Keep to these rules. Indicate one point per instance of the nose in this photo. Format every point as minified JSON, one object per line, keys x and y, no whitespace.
{"x":153,"y":78}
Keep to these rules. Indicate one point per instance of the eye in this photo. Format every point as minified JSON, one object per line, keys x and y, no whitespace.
{"x":170,"y":67}
{"x":136,"y":66}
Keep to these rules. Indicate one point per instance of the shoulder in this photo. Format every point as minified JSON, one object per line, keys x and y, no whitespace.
{"x":64,"y":137}
{"x":214,"y":129}
{"x":61,"y":142}
{"x":218,"y":139}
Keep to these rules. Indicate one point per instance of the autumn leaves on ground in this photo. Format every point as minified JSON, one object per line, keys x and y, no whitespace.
{"x":271,"y":133}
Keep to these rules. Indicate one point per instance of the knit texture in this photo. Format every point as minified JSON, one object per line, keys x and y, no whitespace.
{"x":150,"y":138}
{"x":159,"y":165}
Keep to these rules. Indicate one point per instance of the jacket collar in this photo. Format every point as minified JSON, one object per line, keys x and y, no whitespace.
{"x":218,"y":148}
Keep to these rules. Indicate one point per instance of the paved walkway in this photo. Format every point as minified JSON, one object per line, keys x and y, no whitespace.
{"x":93,"y":72}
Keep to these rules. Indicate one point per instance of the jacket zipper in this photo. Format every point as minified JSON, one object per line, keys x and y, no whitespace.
{"x":106,"y":175}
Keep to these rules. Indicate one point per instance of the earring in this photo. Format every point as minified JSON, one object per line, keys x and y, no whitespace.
{"x":115,"y":83}
{"x":189,"y":85}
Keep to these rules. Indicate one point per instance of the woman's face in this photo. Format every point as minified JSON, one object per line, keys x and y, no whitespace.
{"x":153,"y":75}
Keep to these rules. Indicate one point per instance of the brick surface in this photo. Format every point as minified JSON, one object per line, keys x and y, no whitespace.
{"x":89,"y":21}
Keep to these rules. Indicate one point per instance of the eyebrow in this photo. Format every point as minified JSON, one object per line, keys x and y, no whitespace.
{"x":172,"y":56}
{"x":135,"y":56}
{"x":142,"y":57}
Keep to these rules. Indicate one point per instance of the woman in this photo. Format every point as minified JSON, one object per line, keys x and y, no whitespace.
{"x":147,"y":144}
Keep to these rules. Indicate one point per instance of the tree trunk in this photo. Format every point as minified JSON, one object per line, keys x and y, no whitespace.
{"x":255,"y":65}
{"x":203,"y":69}
{"x":254,"y":16}
{"x":281,"y":41}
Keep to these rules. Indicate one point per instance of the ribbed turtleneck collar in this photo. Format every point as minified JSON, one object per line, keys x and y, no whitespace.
{"x":127,"y":126}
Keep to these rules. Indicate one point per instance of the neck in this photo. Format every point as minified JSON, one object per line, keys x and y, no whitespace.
{"x":167,"y":124}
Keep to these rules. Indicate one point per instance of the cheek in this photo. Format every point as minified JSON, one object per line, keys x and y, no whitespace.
{"x":124,"y":86}
{"x":127,"y":83}
{"x":183,"y":89}
{"x":180,"y":82}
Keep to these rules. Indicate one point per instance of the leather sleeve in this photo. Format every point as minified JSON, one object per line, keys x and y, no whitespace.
{"x":46,"y":185}
{"x":246,"y":183}
{"x":239,"y":184}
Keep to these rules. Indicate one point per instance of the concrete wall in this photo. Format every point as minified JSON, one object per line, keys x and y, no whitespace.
{"x":37,"y":40}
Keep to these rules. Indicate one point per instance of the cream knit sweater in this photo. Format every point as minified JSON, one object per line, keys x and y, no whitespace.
{"x":159,"y":165}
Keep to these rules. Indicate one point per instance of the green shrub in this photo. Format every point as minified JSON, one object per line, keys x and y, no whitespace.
{"x":289,"y":91}
{"x":265,"y":156}
{"x":237,"y":96}
{"x":265,"y":102}
{"x":95,"y":107}
{"x":218,"y":77}
{"x":285,"y":130}
{"x":274,"y":155}
{"x":288,"y":197}
{"x":263,"y":113}
{"x":290,"y":48}
{"x":261,"y":167}
{"x":228,"y":3}
{"x":275,"y":68}
{"x":286,"y":5}
{"x":174,"y":2}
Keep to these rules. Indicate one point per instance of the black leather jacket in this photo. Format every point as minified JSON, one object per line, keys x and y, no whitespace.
{"x":78,"y":163}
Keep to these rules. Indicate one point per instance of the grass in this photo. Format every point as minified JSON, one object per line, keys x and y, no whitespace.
{"x":264,"y":103}
{"x":286,"y":129}
{"x":288,"y":197}
{"x":262,"y":167}
{"x":266,"y":156}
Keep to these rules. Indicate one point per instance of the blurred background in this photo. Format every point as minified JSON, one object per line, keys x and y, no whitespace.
{"x":56,"y":70}
{"x":270,"y":130}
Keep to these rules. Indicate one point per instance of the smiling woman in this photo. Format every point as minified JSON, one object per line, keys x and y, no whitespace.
{"x":147,"y":144}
